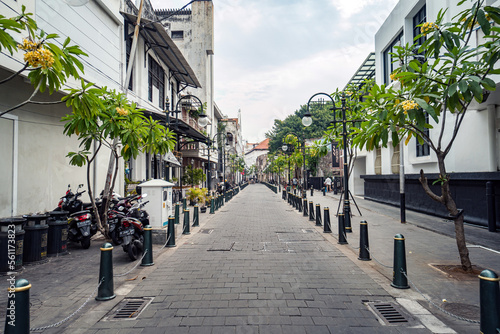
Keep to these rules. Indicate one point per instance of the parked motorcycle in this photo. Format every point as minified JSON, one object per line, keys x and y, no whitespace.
{"x":80,"y":226}
{"x":126,"y":225}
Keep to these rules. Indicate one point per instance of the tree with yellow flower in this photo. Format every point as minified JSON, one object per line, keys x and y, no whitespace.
{"x":48,"y":65}
{"x":119,"y":126}
{"x":436,"y":89}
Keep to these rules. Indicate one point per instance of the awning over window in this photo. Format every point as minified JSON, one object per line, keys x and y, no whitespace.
{"x":171,"y":159}
{"x":158,"y":39}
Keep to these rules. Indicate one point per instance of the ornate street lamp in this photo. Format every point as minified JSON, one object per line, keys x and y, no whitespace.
{"x":306,"y":120}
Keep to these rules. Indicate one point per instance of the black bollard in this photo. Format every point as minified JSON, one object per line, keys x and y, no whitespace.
{"x":399,"y":279}
{"x":177,"y":213}
{"x":342,"y":238}
{"x":318,"y":215}
{"x":299,"y":203}
{"x":171,"y":232}
{"x":311,"y":211}
{"x":147,"y":259}
{"x":212,"y":206}
{"x":305,"y":214}
{"x":196,"y":216}
{"x":186,"y":229}
{"x":326,"y":224}
{"x":347,"y":221}
{"x":312,"y":191}
{"x":17,"y":320}
{"x":324,"y":191}
{"x":106,"y":287}
{"x":489,"y":302}
{"x":364,"y":254}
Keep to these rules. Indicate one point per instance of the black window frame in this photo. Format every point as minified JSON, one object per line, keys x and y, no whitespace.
{"x":389,"y":65}
{"x":128,"y":49}
{"x":156,"y":78}
{"x":177,"y":34}
{"x":419,"y":18}
{"x":423,"y":150}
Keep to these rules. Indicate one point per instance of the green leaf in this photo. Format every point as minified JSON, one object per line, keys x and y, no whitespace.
{"x":483,"y":22}
{"x":488,"y":84}
{"x":462,"y":85}
{"x":476,"y":90}
{"x":452,"y":89}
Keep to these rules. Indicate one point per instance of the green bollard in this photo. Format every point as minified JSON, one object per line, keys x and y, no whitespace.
{"x":184,"y":203}
{"x":17,"y":320}
{"x":212,"y":206}
{"x":364,"y":254}
{"x":147,"y":258}
{"x":196,"y":216}
{"x":326,"y":224}
{"x":177,"y":213}
{"x":342,"y":238}
{"x":304,"y":211}
{"x":106,"y":287}
{"x":399,"y":279}
{"x":186,"y":229}
{"x":489,"y":302}
{"x":318,"y":215}
{"x":171,"y":232}
{"x":311,"y":211}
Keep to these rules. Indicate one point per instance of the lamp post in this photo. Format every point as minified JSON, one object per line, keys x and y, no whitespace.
{"x":303,"y":147}
{"x":307,"y":121}
{"x":287,"y":149}
{"x":191,"y":101}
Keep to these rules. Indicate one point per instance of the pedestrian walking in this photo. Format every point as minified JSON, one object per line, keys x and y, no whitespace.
{"x":328,"y":184}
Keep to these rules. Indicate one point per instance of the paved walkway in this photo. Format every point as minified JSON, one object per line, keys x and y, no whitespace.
{"x":259,"y":266}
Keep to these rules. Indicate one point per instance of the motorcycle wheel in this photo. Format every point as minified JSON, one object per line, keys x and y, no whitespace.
{"x":132,"y":251}
{"x":85,"y":242}
{"x":116,"y":240}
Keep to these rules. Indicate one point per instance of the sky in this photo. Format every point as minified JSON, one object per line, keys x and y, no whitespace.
{"x":271,"y":56}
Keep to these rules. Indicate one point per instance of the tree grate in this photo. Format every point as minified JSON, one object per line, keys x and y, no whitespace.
{"x":389,"y":313}
{"x":129,"y":309}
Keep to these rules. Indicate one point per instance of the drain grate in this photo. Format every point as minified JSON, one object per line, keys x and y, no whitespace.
{"x":206,"y":230}
{"x":389,"y":313}
{"x":129,"y":308}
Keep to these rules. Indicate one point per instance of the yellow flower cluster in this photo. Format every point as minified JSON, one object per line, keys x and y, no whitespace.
{"x":409,"y":105}
{"x":36,"y":55}
{"x":121,"y":111}
{"x":428,"y":27}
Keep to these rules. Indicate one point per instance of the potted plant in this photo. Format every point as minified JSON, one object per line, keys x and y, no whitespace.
{"x":193,"y":195}
{"x":203,"y":200}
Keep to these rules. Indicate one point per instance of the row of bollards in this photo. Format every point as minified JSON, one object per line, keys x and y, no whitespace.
{"x":488,"y":280}
{"x":17,"y":320}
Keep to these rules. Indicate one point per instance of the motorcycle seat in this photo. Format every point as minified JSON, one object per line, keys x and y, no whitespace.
{"x":80,"y":213}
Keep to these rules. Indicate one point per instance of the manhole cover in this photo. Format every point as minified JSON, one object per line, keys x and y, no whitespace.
{"x":221,"y":247}
{"x":128,"y":309}
{"x":390,"y":314}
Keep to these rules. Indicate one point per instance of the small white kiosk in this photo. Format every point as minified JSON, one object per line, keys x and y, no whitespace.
{"x":160,"y":201}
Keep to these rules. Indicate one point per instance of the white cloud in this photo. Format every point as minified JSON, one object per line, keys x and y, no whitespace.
{"x":272,"y":56}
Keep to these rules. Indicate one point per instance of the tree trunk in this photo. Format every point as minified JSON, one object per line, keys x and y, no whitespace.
{"x":447,"y":200}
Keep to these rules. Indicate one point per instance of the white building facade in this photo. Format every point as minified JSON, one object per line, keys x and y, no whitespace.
{"x":475,"y":156}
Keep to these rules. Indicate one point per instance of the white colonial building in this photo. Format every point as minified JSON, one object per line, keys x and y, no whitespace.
{"x":475,"y":156}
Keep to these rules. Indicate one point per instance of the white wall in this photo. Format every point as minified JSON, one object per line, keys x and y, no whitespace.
{"x":476,"y":146}
{"x":42,"y":172}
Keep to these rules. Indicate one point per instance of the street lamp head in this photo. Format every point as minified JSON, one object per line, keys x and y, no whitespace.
{"x":284,"y":147}
{"x":202,"y":120}
{"x":307,"y":119}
